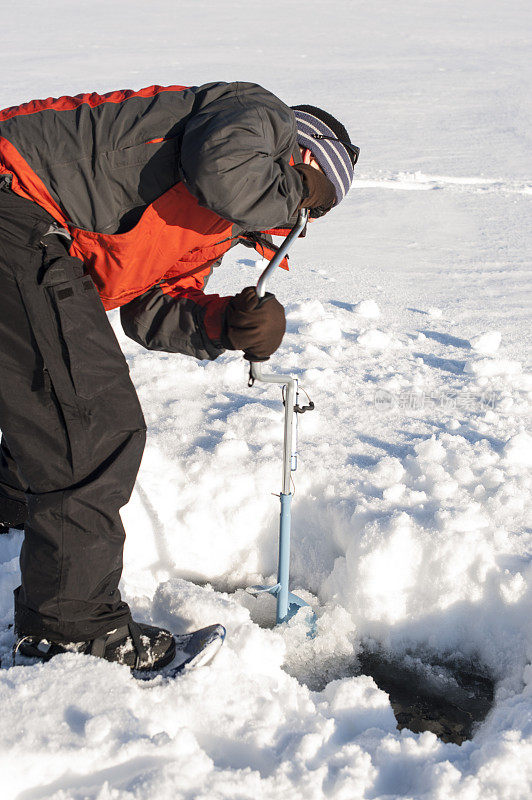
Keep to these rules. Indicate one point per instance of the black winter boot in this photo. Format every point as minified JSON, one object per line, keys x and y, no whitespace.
{"x":135,"y":645}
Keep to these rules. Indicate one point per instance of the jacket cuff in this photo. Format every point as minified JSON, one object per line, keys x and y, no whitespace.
{"x":214,"y":322}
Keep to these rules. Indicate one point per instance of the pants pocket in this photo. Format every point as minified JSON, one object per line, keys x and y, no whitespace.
{"x":91,"y":350}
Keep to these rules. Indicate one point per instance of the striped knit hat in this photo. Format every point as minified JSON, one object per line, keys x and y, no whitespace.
{"x":336,"y":161}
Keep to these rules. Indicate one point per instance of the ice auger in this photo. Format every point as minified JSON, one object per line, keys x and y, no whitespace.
{"x":288,"y":604}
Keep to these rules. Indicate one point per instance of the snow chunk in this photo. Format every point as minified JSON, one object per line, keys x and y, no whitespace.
{"x":374,"y":340}
{"x":305,"y":311}
{"x":453,"y":425}
{"x":465,"y":520}
{"x":513,"y":588}
{"x":486,"y":343}
{"x":368,"y":309}
{"x":323,"y":330}
{"x":518,"y":450}
{"x":358,"y":704}
{"x":489,"y":367}
{"x":430,"y":450}
{"x":232,"y":450}
{"x":434,"y":312}
{"x":387,"y":472}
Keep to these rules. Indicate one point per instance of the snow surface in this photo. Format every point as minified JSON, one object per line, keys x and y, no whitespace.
{"x":409,"y":326}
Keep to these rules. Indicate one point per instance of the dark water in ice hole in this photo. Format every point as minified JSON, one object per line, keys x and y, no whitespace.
{"x":448,"y":695}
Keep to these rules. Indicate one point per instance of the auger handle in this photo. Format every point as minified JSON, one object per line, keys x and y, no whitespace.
{"x":282,"y":251}
{"x":255,"y":370}
{"x":255,"y":367}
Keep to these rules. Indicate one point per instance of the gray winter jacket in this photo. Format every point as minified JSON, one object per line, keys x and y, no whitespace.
{"x":102,"y":159}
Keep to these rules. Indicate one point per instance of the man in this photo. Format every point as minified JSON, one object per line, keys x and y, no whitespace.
{"x":126,"y":200}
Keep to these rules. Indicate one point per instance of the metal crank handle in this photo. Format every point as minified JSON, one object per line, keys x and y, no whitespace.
{"x":282,"y":251}
{"x":255,"y":371}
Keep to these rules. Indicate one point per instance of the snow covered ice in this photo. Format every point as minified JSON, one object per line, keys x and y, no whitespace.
{"x":409,"y":325}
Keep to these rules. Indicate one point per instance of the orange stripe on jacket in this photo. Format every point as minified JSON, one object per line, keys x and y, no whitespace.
{"x":66,"y":103}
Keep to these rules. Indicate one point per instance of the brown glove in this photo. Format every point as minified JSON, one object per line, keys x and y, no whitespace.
{"x":254,"y":325}
{"x":318,"y":191}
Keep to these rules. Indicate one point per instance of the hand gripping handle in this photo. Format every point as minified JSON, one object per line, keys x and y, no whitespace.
{"x":255,"y":371}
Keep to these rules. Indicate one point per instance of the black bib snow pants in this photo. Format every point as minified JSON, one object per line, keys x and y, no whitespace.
{"x":72,"y":427}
